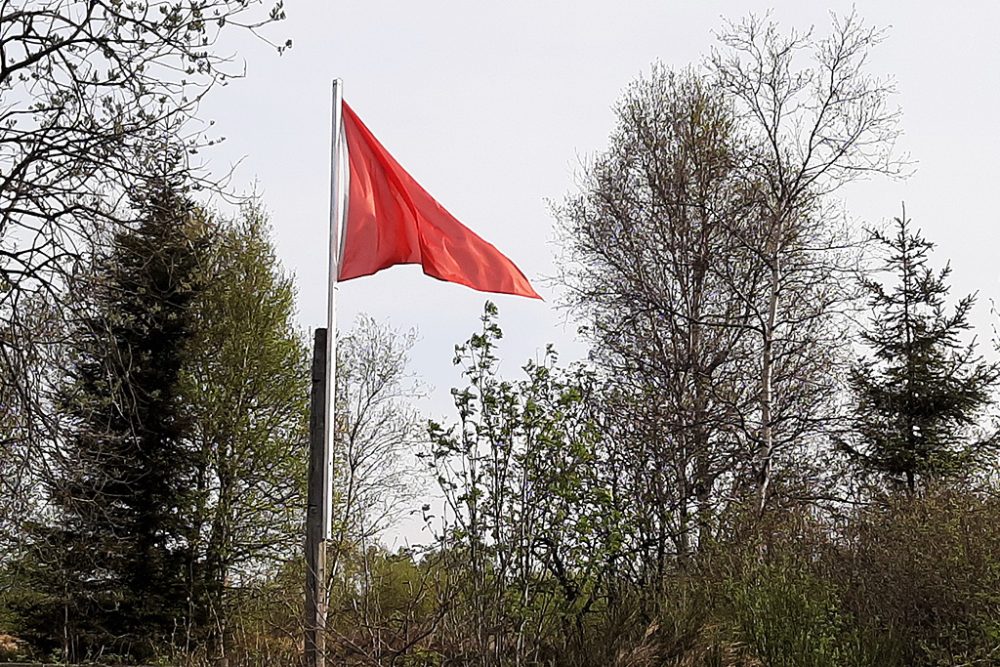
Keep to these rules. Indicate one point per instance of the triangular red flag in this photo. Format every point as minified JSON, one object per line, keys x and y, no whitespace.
{"x":392,"y":220}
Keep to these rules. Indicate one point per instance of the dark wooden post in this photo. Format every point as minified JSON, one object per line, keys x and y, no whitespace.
{"x":316,"y":603}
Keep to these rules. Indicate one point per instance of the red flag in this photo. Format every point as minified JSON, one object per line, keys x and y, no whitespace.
{"x":392,"y":220}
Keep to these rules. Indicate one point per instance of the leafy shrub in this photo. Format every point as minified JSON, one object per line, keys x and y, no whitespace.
{"x":788,"y":616}
{"x":927,"y":568}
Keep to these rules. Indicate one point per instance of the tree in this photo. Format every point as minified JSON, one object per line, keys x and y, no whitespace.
{"x":657,"y":266}
{"x":377,"y":431}
{"x":711,"y":268}
{"x":530,"y":532}
{"x":123,"y":474}
{"x":376,"y":476}
{"x":84,"y":85}
{"x":88,"y":90}
{"x":188,"y":315}
{"x":810,"y":129}
{"x":244,"y":385}
{"x":919,"y":396}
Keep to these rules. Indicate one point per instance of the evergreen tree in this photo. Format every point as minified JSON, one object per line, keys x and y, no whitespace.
{"x":918,"y":397}
{"x":122,"y":482}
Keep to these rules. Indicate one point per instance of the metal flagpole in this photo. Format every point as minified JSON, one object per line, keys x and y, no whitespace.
{"x":338,"y":193}
{"x":322,"y":414}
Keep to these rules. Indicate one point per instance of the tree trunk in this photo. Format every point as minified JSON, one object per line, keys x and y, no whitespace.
{"x":766,"y":444}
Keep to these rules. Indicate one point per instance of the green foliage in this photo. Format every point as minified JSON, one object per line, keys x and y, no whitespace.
{"x":910,"y":583}
{"x":393,"y":592}
{"x":532,"y":524}
{"x":245,"y":387}
{"x":919,"y":397}
{"x":123,"y":482}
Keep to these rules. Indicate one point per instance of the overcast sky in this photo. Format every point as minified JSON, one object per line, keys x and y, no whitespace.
{"x":494,"y":106}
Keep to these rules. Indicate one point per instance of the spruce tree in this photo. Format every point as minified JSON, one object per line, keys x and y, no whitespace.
{"x":919,"y":394}
{"x":123,"y":481}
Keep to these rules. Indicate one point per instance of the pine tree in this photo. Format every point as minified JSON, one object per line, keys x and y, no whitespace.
{"x":919,"y":395}
{"x":123,"y":481}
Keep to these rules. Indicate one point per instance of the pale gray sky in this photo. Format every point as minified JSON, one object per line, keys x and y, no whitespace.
{"x":492,"y":106}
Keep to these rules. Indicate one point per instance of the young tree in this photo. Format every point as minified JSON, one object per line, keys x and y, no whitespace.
{"x":919,"y":396}
{"x":378,"y":432}
{"x":244,"y":385}
{"x":530,"y":532}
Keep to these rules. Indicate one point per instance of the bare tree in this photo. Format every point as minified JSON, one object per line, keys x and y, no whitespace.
{"x":20,"y":386}
{"x":812,"y":128}
{"x":376,"y":472}
{"x":378,"y":431}
{"x":713,"y":269}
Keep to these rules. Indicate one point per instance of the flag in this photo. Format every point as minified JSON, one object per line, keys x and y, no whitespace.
{"x":390,"y":219}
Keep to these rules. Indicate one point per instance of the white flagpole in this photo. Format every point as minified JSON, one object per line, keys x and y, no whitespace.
{"x":338,"y":178}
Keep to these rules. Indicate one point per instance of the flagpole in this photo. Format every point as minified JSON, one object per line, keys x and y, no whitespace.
{"x":322,"y":419}
{"x":337,"y":183}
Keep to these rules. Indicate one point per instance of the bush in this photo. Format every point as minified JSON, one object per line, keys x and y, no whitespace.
{"x":927,"y":568}
{"x":790,"y":616}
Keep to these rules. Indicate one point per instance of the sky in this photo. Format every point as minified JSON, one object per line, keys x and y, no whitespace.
{"x":495,"y":107}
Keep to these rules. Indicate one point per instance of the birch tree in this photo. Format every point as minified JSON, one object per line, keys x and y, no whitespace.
{"x":657,"y":267}
{"x":812,"y":127}
{"x":245,"y":385}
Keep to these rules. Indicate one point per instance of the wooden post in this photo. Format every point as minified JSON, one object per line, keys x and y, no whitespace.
{"x":316,"y":603}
